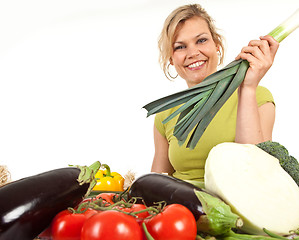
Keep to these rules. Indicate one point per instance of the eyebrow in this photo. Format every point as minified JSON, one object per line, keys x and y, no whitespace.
{"x":197,"y":36}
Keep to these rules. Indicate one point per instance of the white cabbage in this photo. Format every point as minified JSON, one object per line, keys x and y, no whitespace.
{"x":256,"y":187}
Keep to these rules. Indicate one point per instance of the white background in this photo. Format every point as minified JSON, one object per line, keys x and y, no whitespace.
{"x":74,"y":76}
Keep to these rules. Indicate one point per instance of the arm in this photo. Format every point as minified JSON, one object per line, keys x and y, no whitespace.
{"x":255,"y":124}
{"x":161,"y":162}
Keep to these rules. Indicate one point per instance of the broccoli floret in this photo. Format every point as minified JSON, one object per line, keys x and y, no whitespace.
{"x":275,"y":149}
{"x":287,"y":162}
{"x":291,"y":166}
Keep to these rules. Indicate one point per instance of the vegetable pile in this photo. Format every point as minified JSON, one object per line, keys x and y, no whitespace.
{"x":62,"y":206}
{"x":139,"y":213}
{"x":112,"y":216}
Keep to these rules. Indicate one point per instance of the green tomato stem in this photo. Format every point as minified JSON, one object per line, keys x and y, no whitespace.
{"x":151,"y":210}
{"x":147,"y":234}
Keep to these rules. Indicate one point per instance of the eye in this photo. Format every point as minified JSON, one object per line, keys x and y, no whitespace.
{"x":179,"y":47}
{"x":201,"y":40}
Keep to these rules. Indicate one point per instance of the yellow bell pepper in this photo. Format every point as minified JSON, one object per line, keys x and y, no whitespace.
{"x":108,"y":181}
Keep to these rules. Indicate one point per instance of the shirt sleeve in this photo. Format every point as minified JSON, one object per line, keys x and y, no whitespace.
{"x":263,"y":95}
{"x":159,"y":125}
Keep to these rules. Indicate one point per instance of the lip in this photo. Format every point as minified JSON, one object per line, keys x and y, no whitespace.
{"x":196,"y":65}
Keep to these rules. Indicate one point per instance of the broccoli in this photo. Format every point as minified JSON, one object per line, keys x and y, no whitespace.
{"x":287,"y":162}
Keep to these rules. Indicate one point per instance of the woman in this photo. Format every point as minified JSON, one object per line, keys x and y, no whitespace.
{"x":190,"y":43}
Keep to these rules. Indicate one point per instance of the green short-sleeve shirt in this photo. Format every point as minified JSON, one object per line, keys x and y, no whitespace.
{"x":189,"y":164}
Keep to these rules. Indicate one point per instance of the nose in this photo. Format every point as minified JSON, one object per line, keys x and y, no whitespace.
{"x":193,"y":51}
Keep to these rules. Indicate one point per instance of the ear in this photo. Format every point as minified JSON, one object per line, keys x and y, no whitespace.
{"x":170,"y":61}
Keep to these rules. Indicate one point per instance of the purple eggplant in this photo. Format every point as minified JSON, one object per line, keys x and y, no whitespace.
{"x":27,"y":206}
{"x":212,"y":215}
{"x":155,"y":187}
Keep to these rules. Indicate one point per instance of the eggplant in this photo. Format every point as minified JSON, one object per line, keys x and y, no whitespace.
{"x":212,"y":215}
{"x":27,"y":206}
{"x":155,"y":187}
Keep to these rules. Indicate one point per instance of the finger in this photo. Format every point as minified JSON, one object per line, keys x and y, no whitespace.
{"x":263,"y":45}
{"x":270,"y":40}
{"x":274,"y":45}
{"x":246,"y":56}
{"x":254,"y":51}
{"x":249,"y":50}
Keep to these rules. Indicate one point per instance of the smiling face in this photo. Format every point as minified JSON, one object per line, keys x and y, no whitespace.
{"x":194,"y":51}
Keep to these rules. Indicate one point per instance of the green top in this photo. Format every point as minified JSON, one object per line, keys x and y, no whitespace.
{"x":189,"y":164}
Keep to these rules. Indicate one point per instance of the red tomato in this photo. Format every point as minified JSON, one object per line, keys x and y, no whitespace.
{"x":85,"y":200}
{"x":175,"y":222}
{"x":136,"y":208}
{"x":68,"y":225}
{"x":108,"y":197}
{"x":109,"y":225}
{"x":140,"y":216}
{"x":46,"y":234}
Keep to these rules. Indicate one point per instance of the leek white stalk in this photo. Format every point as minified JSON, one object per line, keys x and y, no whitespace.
{"x":203,"y":101}
{"x":286,"y":28}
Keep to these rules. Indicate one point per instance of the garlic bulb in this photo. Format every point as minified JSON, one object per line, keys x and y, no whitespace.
{"x":4,"y":175}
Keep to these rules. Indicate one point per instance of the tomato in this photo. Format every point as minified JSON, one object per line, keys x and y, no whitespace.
{"x":109,"y":225}
{"x":175,"y":222}
{"x":136,"y":208}
{"x":68,"y":225}
{"x":85,"y":200}
{"x":140,"y":216}
{"x":46,"y":234}
{"x":108,"y":197}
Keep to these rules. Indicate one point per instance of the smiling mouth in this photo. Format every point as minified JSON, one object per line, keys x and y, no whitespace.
{"x":195,"y":65}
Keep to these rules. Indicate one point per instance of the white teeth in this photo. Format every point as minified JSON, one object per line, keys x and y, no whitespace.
{"x":197,"y":64}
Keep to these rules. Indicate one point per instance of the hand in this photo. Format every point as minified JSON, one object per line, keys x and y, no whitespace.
{"x":260,"y":55}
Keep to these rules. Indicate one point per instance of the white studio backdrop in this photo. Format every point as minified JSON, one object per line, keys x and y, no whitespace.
{"x":74,"y":76}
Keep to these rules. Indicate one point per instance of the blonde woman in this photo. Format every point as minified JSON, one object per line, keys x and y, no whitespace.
{"x":190,"y":43}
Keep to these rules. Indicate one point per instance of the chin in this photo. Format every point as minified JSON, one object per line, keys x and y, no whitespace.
{"x":197,"y":80}
{"x":193,"y":83}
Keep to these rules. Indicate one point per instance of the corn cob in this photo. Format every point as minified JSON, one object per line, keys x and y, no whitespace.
{"x":201,"y":102}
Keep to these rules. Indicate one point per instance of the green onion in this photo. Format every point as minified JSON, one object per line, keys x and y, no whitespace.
{"x":201,"y":102}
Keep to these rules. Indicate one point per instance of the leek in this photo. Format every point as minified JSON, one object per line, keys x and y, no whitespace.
{"x":201,"y":102}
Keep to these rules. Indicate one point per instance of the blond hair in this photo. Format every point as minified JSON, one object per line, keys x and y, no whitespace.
{"x":168,"y":34}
